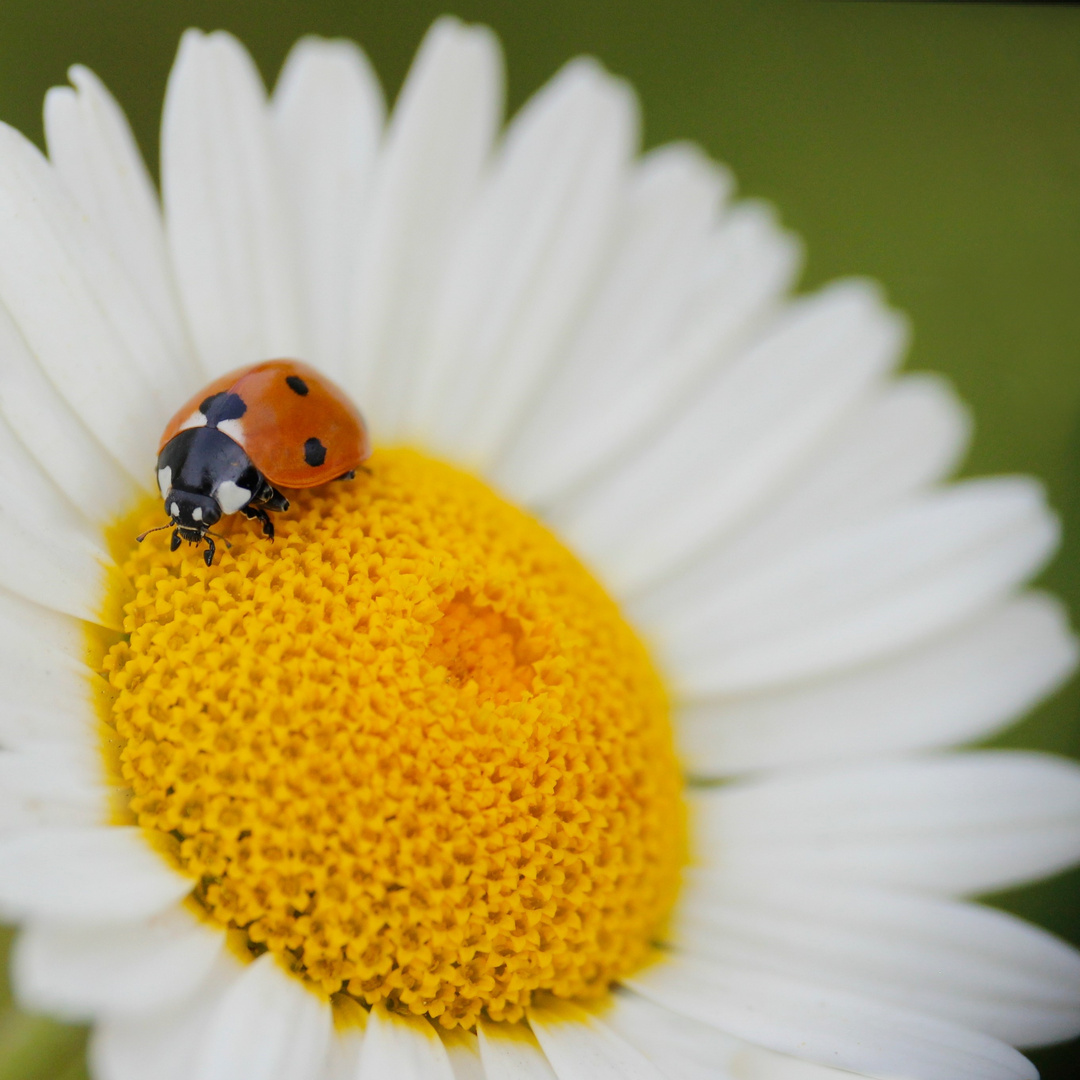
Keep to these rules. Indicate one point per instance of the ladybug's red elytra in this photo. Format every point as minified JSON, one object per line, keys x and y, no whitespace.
{"x":275,"y":424}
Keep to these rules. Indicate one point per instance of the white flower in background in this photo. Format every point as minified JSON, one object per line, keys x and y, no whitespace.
{"x":353,"y":803}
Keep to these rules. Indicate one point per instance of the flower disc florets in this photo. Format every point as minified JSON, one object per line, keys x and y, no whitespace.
{"x":411,"y":747}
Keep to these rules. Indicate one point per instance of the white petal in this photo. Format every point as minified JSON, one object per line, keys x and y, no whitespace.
{"x":678,"y":1046}
{"x":82,"y":973}
{"x":952,"y":824}
{"x":828,"y":1026}
{"x":858,"y":594}
{"x":464,"y":1053}
{"x":739,"y":437}
{"x":757,"y":1063}
{"x":402,"y":1047}
{"x":76,"y":309}
{"x":532,"y":248}
{"x":328,"y":115}
{"x":226,"y":223}
{"x":52,"y":555}
{"x":85,"y":876}
{"x":27,"y":628}
{"x":94,"y":151}
{"x":967,"y":964}
{"x":511,"y":1052}
{"x":30,"y":495}
{"x":62,"y":572}
{"x":48,"y":689}
{"x":55,"y":435}
{"x":163,"y":1046}
{"x":51,"y":784}
{"x":906,"y":437}
{"x":909,"y":436}
{"x":674,"y":304}
{"x":690,"y":1050}
{"x":438,"y":141}
{"x":581,"y":1047}
{"x":347,"y":1040}
{"x":955,"y":688}
{"x":269,"y":1027}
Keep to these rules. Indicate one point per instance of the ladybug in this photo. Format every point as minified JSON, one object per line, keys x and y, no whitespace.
{"x":275,"y":424}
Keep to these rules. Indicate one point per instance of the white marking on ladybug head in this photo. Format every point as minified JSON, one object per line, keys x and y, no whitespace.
{"x":196,"y":419}
{"x":164,"y":480}
{"x":231,"y":496}
{"x":174,"y":510}
{"x":196,"y":514}
{"x":234,"y":429}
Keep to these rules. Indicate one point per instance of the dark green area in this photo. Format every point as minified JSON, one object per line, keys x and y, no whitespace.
{"x":935,"y":147}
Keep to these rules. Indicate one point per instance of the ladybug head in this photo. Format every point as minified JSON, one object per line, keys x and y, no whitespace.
{"x":190,"y":518}
{"x":192,"y":514}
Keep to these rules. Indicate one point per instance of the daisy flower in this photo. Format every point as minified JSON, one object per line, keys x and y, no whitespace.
{"x":605,"y":728}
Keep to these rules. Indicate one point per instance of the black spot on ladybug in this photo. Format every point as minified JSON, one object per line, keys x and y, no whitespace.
{"x":314,"y":453}
{"x":296,"y":384}
{"x":223,"y":406}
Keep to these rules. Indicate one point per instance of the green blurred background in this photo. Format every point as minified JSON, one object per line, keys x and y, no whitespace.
{"x":935,"y":147}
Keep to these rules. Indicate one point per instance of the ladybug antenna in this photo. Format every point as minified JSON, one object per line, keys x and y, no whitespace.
{"x":142,"y":536}
{"x":208,"y":533}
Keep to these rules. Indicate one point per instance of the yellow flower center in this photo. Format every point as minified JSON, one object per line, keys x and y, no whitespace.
{"x":410,"y":747}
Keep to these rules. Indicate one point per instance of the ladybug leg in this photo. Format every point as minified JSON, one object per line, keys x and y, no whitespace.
{"x":175,"y":542}
{"x":350,"y":475}
{"x":270,"y":497}
{"x":259,"y":514}
{"x":208,"y":554}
